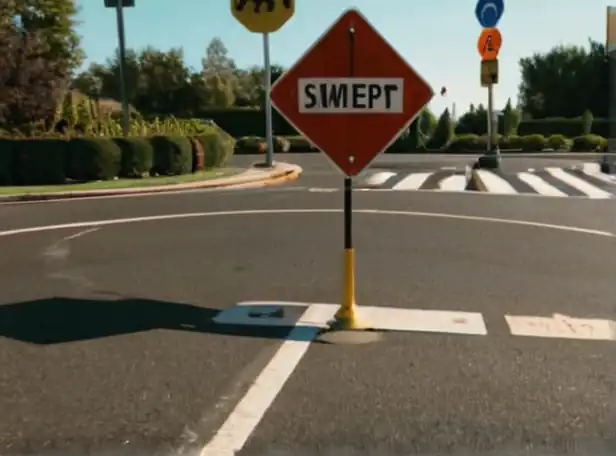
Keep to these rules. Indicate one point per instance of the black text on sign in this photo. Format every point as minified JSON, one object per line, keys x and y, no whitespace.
{"x":351,"y":95}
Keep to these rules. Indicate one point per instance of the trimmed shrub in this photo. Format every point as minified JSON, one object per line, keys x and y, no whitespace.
{"x":533,"y":143}
{"x":300,"y":144}
{"x":466,"y":143}
{"x":217,"y":150}
{"x":250,"y":145}
{"x":588,"y":143}
{"x":172,"y":155}
{"x":40,"y":161}
{"x":513,"y":142}
{"x":8,"y":148}
{"x":94,"y":159}
{"x":498,"y":138}
{"x":137,"y":156}
{"x":557,"y":142}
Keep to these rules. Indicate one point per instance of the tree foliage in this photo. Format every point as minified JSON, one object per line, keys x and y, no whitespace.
{"x":30,"y":83}
{"x":42,"y":49}
{"x":565,"y":82}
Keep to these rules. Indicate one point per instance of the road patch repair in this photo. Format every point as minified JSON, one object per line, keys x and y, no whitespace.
{"x":254,"y":177}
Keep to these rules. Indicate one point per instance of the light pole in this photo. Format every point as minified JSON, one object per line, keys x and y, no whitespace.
{"x":119,"y":6}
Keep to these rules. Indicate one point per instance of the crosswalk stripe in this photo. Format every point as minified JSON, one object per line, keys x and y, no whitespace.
{"x":496,"y":184}
{"x":539,"y":185}
{"x":379,"y":178}
{"x":583,"y":186}
{"x":454,"y":183}
{"x":412,"y":181}
{"x":552,"y":182}
{"x":599,"y":176}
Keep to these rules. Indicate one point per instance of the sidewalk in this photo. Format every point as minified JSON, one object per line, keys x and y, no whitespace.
{"x":252,"y":177}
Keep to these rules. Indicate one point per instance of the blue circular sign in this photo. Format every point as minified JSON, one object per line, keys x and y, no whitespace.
{"x":489,"y":12}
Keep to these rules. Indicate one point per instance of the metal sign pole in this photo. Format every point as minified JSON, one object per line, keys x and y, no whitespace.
{"x":490,"y":114}
{"x":346,"y":316}
{"x":122,"y":44}
{"x":269,"y":161}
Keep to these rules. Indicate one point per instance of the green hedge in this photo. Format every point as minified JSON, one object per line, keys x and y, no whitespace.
{"x":529,"y":143}
{"x":467,"y":143}
{"x":58,"y":161}
{"x":244,"y":122}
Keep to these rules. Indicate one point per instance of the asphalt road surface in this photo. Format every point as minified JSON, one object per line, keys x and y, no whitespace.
{"x":107,"y":343}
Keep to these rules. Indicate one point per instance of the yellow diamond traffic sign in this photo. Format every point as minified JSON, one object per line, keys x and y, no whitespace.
{"x":263,"y":16}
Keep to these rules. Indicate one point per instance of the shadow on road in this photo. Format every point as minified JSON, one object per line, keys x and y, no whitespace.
{"x":58,"y":320}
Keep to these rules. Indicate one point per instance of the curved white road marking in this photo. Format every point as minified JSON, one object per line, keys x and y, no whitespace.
{"x":152,"y":218}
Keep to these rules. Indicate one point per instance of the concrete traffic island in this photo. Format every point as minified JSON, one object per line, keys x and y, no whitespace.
{"x":256,"y":176}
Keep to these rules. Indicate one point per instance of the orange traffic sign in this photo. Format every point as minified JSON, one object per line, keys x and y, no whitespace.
{"x":489,"y":43}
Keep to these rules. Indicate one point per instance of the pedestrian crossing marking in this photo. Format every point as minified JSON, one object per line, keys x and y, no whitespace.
{"x":600,"y":176}
{"x":379,"y":178}
{"x":539,"y":185}
{"x":495,"y":183}
{"x":549,"y":182}
{"x":412,"y":181}
{"x":455,"y":183}
{"x":590,"y":190}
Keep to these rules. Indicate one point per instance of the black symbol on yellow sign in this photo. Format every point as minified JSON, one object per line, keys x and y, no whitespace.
{"x":263,"y":16}
{"x":240,"y":5}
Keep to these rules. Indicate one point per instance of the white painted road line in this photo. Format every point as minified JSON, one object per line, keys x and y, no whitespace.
{"x":561,"y":327}
{"x":412,"y":181}
{"x":456,"y":183}
{"x":417,"y":320}
{"x":599,"y":176}
{"x":378,"y":318}
{"x":379,"y":178}
{"x":243,"y":420}
{"x":441,"y":215}
{"x":495,"y":184}
{"x":539,"y":185}
{"x":590,"y":190}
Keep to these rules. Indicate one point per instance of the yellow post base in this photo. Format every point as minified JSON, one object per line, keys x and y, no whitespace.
{"x":346,"y":317}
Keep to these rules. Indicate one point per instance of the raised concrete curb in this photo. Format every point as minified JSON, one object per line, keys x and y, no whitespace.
{"x":253,"y":177}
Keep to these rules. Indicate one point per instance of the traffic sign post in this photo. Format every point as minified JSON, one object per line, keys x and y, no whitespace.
{"x":489,"y":13}
{"x":119,"y":6}
{"x":265,"y":17}
{"x":351,"y":94}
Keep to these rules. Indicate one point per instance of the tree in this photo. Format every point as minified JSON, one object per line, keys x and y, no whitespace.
{"x":564,"y":82}
{"x":104,"y":79}
{"x":474,"y":121}
{"x":162,"y":82}
{"x":511,"y":119}
{"x":30,"y":83}
{"x":55,"y":21}
{"x":443,"y":133}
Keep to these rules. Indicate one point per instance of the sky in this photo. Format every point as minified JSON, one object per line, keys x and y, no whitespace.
{"x":438,"y":38}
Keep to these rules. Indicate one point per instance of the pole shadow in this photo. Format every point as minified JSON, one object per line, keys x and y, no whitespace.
{"x":59,"y":320}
